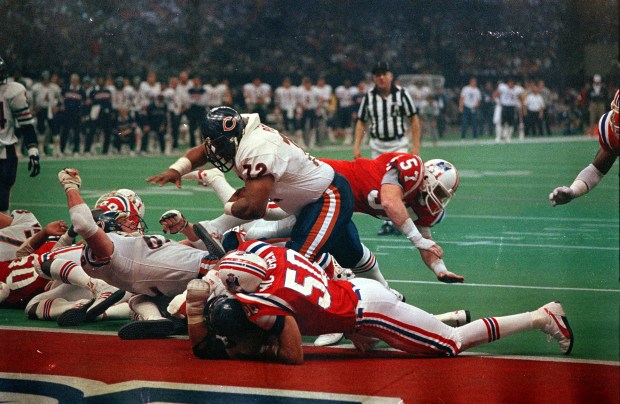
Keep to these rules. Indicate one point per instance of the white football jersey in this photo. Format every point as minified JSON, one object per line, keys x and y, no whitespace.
{"x":15,"y":111}
{"x":299,"y":178}
{"x":215,"y":95}
{"x":45,"y":96}
{"x":346,"y":96}
{"x":308,"y":98}
{"x":147,"y":265}
{"x":286,"y":98}
{"x":24,"y":226}
{"x":508,"y":97}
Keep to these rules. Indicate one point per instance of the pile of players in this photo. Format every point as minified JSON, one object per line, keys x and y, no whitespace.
{"x":283,"y":261}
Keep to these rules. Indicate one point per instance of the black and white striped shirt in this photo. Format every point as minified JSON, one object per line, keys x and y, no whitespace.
{"x":385,"y":117}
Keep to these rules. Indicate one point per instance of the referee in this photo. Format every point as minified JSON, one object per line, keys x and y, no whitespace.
{"x":383,"y":111}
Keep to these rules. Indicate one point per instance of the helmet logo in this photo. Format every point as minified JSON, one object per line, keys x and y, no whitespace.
{"x":229,"y":123}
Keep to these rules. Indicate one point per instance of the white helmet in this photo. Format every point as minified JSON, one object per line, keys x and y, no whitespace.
{"x":242,"y":271}
{"x":441,"y":180}
{"x":132,"y":196}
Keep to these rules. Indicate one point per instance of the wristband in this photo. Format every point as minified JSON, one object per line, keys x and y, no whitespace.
{"x":409,"y":230}
{"x":439,"y":267}
{"x":228,"y":208}
{"x":586,"y":180}
{"x":182,"y":165}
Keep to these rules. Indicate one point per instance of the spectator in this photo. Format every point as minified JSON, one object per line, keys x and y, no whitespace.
{"x":533,"y":109}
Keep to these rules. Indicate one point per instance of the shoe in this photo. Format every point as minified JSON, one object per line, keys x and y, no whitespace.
{"x":328,"y":339}
{"x":147,"y":329}
{"x":214,"y":246}
{"x":455,"y":318}
{"x":557,"y":326}
{"x":204,"y":177}
{"x":74,"y":316}
{"x":105,"y":298}
{"x":386,"y":229}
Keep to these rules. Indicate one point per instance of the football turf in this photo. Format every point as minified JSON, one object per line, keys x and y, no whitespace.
{"x":515,"y":251}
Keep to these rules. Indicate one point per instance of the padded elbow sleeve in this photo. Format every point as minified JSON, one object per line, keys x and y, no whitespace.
{"x":82,"y":220}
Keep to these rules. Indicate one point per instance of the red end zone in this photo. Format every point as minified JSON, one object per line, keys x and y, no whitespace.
{"x":110,"y":360}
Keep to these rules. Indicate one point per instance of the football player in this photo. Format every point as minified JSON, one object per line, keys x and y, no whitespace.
{"x":14,"y":230}
{"x":16,"y":121}
{"x":287,"y":296}
{"x":18,"y":279}
{"x":152,"y":267}
{"x":589,"y":177}
{"x":275,"y":169}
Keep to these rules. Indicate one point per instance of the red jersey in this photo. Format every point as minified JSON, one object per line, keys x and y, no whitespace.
{"x":365,"y":177}
{"x":606,"y":136}
{"x":296,"y":287}
{"x":23,"y":281}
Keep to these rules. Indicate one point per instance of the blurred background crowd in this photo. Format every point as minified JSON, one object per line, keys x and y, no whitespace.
{"x":558,"y":46}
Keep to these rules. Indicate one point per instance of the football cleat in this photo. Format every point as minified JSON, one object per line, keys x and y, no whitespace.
{"x":557,"y":326}
{"x":74,"y":316}
{"x":204,"y":177}
{"x":328,"y":339}
{"x":386,"y":229}
{"x":147,"y":329}
{"x":105,"y":298}
{"x":213,"y":245}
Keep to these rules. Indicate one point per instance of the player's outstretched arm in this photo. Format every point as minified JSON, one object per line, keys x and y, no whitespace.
{"x":392,"y":203}
{"x":81,"y":215}
{"x":56,"y":228}
{"x":586,"y":180}
{"x":194,"y":157}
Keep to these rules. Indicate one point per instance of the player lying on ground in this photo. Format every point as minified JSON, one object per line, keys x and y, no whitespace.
{"x":589,"y":177}
{"x":73,"y":293}
{"x":153,"y":268}
{"x":286,"y":296}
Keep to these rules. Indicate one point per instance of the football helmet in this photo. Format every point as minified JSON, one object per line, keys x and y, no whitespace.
{"x":4,"y":71}
{"x":221,"y":130}
{"x":242,"y":271}
{"x":227,"y":316}
{"x":120,"y":211}
{"x":441,"y":179}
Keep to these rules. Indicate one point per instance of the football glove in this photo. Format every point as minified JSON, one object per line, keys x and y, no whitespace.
{"x":561,"y":195}
{"x":173,"y":221}
{"x":34,"y":165}
{"x":69,"y":178}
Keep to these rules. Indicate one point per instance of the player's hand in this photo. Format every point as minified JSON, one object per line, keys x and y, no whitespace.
{"x":422,"y":243}
{"x":57,"y":228}
{"x":449,"y":277}
{"x":167,"y":176}
{"x":561,"y":195}
{"x":69,"y":178}
{"x":173,"y":221}
{"x":357,"y":153}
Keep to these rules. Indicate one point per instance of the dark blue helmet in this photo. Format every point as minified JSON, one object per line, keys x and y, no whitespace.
{"x":221,"y":130}
{"x":4,"y":71}
{"x":228,"y":318}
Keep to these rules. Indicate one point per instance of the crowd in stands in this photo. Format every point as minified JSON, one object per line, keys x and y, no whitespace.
{"x":234,"y":43}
